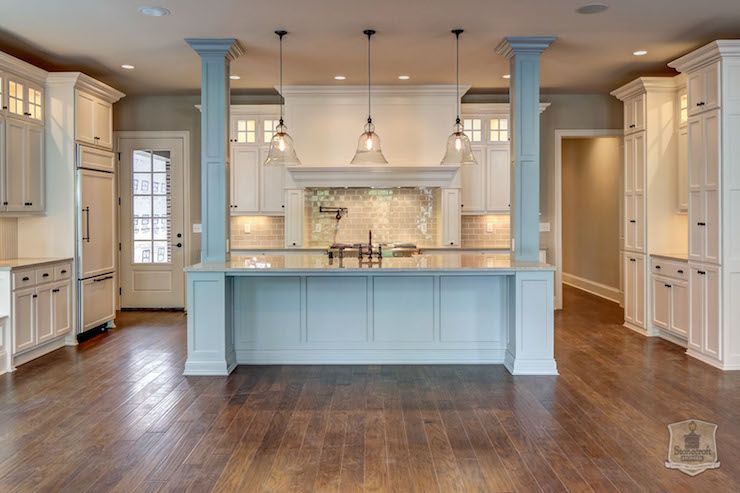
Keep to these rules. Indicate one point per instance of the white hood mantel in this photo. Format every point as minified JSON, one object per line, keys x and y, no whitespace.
{"x":380,"y":176}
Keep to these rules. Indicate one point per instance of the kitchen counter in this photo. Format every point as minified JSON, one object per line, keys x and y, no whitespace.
{"x":682,"y":257}
{"x":19,"y":263}
{"x":296,"y":262}
{"x":431,"y":308}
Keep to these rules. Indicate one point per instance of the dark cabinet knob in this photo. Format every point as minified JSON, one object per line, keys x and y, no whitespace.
{"x":633,"y":260}
{"x":452,"y":243}
{"x":45,"y":274}
{"x":64,"y":271}
{"x":179,"y":245}
{"x":701,"y":272}
{"x":179,"y":235}
{"x":27,"y":204}
{"x":633,"y":221}
{"x":294,"y":243}
{"x":26,"y":278}
{"x":35,"y":296}
{"x":55,"y":290}
{"x":632,"y":126}
{"x":680,"y":271}
{"x":667,"y":285}
{"x":657,"y":267}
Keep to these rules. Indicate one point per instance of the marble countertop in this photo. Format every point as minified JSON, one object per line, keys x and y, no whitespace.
{"x":682,"y":256}
{"x":318,"y":262}
{"x":19,"y":263}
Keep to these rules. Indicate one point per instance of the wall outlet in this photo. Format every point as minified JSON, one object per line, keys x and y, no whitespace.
{"x":248,"y":228}
{"x":489,"y":227}
{"x":317,"y":228}
{"x":544,"y":227}
{"x":197,"y":228}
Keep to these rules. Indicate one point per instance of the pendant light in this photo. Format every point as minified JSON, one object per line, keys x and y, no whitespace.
{"x":368,"y":147}
{"x":282,"y":150}
{"x":458,"y":144}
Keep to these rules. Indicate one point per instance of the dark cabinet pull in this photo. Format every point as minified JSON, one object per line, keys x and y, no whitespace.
{"x":700,"y":103}
{"x":55,"y":290}
{"x":657,"y":267}
{"x":632,"y":126}
{"x":633,"y":221}
{"x":63,"y":271}
{"x":667,"y":285}
{"x":701,"y":272}
{"x":86,"y":238}
{"x":28,"y":204}
{"x":35,"y":296}
{"x":101,"y":279}
{"x":45,"y":274}
{"x":27,"y":114}
{"x":633,"y":260}
{"x":680,"y":271}
{"x":701,"y":224}
{"x":26,"y":279}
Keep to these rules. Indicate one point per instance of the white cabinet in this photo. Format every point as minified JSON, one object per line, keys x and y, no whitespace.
{"x":23,"y":167}
{"x":704,"y":290}
{"x":682,"y":173}
{"x":634,"y":192}
{"x":41,"y":305}
{"x":272,"y":186}
{"x":498,"y":179}
{"x":670,"y":296}
{"x":451,"y":217}
{"x":93,"y":120}
{"x":680,"y":308}
{"x":21,"y":98}
{"x":244,"y":179}
{"x":661,"y":302}
{"x":473,"y":183}
{"x":634,"y":114}
{"x":703,"y":87}
{"x":98,"y":301}
{"x":634,"y":290}
{"x":294,"y":204}
{"x":704,"y":187}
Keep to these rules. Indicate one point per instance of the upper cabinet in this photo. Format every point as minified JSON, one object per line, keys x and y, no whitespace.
{"x":682,"y":183}
{"x":22,"y":98}
{"x":93,"y":120}
{"x":703,"y":89}
{"x":634,"y":114}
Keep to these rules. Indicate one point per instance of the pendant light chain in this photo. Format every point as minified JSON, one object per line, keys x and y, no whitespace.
{"x":282,"y":99}
{"x":457,"y":33}
{"x":369,"y":33}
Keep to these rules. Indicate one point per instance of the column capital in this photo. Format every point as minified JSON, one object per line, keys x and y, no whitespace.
{"x":515,"y":45}
{"x":230,"y":48}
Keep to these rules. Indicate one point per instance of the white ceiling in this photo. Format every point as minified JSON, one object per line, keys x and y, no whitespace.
{"x":593,"y":53}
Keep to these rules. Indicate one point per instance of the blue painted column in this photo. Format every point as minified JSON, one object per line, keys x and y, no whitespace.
{"x":215,"y":55}
{"x":524,"y":100}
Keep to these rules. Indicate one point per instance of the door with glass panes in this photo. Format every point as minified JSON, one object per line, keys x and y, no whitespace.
{"x":152,"y":230}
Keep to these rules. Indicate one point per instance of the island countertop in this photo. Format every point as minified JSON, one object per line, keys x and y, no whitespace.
{"x":319,"y":262}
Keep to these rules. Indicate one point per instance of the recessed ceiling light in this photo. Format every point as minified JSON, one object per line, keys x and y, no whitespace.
{"x":639,"y":53}
{"x":506,"y":76}
{"x":404,"y":77}
{"x":154,"y":11}
{"x":340,"y":77}
{"x":234,"y":77}
{"x":592,"y":8}
{"x":127,"y":66}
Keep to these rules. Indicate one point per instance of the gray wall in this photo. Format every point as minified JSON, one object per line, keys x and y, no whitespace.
{"x":591,"y":180}
{"x":178,"y":112}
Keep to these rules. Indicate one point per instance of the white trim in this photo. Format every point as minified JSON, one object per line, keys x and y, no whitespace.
{"x":475,"y":109}
{"x":601,"y":290}
{"x":375,"y":176}
{"x":640,"y":330}
{"x":558,"y":198}
{"x":395,"y":356}
{"x":19,"y":68}
{"x":85,"y":83}
{"x":183,"y":135}
{"x":360,"y":90}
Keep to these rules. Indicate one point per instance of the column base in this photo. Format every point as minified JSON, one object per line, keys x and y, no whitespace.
{"x":208,"y":368}
{"x":519,"y":366}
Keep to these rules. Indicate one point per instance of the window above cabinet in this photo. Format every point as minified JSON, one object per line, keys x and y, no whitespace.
{"x":499,"y":130}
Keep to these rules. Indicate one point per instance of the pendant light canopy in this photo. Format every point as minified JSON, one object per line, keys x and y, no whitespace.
{"x":368,"y":147}
{"x":458,"y":144}
{"x":282,"y":150}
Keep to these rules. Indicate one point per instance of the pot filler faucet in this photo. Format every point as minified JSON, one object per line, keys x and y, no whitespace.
{"x":339,"y":211}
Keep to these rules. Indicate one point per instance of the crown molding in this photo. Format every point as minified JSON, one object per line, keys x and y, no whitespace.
{"x":707,"y":54}
{"x":448,"y":90}
{"x":515,"y":45}
{"x":22,"y":69}
{"x":492,"y":108}
{"x":355,"y":175}
{"x":230,"y":48}
{"x":84,"y":82}
{"x":647,"y":84}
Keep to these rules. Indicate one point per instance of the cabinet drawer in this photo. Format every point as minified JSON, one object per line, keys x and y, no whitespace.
{"x":669,"y":268}
{"x":62,"y":271}
{"x":45,"y":274}
{"x":98,"y":159}
{"x":24,"y":278}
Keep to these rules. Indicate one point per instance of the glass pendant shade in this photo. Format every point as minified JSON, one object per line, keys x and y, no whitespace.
{"x":368,"y":148}
{"x":458,"y":148}
{"x":282,"y":150}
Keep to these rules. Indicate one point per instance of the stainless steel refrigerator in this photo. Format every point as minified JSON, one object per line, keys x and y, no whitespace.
{"x":96,"y":238}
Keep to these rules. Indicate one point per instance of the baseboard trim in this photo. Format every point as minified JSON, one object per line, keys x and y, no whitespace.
{"x":664,"y":334}
{"x":708,"y":360}
{"x":208,"y":368}
{"x":601,"y":290}
{"x":37,"y":352}
{"x":519,"y":366}
{"x":640,"y":330}
{"x":368,"y":356}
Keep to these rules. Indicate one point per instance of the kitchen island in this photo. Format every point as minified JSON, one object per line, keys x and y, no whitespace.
{"x":304,"y":308}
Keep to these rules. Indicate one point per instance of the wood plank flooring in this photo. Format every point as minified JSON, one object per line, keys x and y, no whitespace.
{"x":115,"y":414}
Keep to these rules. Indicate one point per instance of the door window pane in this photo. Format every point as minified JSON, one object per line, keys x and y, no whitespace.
{"x":472,"y":128}
{"x":269,"y":130}
{"x":499,"y":130}
{"x":34,"y":103}
{"x":246,"y":131}
{"x":15,"y":97}
{"x":684,"y":108}
{"x":152,"y":220}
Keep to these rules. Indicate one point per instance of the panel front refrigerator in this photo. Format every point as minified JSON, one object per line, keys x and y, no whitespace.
{"x":96,"y":248}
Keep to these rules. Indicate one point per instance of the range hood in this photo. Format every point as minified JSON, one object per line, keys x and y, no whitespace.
{"x":380,"y":176}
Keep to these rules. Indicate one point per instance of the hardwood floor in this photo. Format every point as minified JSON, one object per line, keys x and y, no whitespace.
{"x":115,"y":414}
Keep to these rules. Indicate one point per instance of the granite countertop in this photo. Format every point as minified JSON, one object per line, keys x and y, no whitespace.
{"x":19,"y":263}
{"x":318,"y":262}
{"x":681,"y":256}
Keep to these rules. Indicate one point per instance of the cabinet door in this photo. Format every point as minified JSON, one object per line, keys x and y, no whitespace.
{"x":15,"y":157}
{"x":639,"y":262}
{"x":711,"y":187}
{"x":450,"y":217}
{"x":294,"y":218}
{"x":498,"y":179}
{"x":680,"y":309}
{"x":61,"y":306}
{"x":629,"y":116}
{"x":23,"y":319}
{"x":44,"y":314}
{"x":711,"y":86}
{"x":35,"y":103}
{"x":98,"y":296}
{"x":84,"y":118}
{"x":272,"y":183}
{"x":97,"y":219}
{"x":33,"y":171}
{"x":712,"y":336}
{"x":630,"y":222}
{"x":696,"y":92}
{"x":639,"y":217}
{"x":629,"y":164}
{"x":682,"y":182}
{"x":473,"y":183}
{"x":3,"y":172}
{"x":697,"y":288}
{"x":639,"y":163}
{"x":629,"y":288}
{"x":639,"y":112}
{"x":244,"y":179}
{"x":103,"y":123}
{"x":661,"y":291}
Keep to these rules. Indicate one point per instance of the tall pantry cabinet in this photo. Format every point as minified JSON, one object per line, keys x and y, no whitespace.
{"x":650,"y":221}
{"x":713,"y":79}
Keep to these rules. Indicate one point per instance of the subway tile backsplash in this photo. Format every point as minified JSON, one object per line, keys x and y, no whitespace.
{"x":400,"y":215}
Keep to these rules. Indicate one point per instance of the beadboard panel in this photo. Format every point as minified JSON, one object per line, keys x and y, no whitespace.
{"x":8,"y":238}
